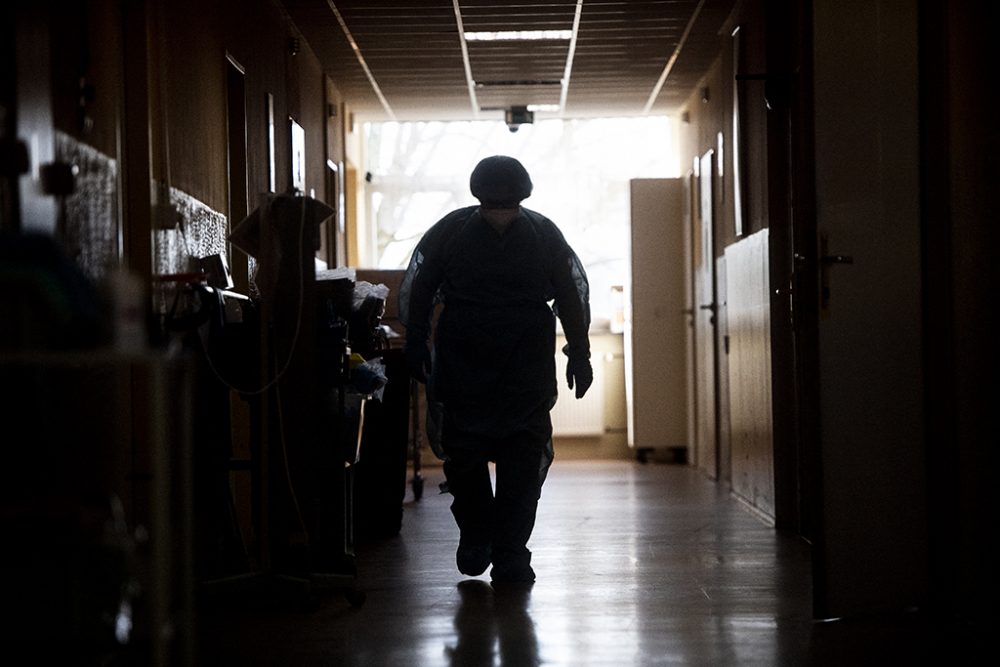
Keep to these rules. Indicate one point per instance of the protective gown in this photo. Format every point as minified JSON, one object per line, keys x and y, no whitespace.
{"x":493,"y":379}
{"x":494,"y":364}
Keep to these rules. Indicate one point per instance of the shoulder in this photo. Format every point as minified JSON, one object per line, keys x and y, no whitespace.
{"x":458,"y":216}
{"x":544,"y":227}
{"x":448,"y":226}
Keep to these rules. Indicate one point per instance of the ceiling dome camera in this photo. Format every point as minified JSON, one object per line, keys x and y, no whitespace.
{"x":515,"y":117}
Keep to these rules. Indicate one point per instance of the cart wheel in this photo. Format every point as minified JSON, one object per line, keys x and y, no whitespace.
{"x":418,"y":488}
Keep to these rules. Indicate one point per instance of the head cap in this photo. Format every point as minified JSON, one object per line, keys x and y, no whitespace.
{"x":500,"y":182}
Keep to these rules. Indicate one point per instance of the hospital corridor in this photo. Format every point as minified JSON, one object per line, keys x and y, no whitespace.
{"x":488,"y":333}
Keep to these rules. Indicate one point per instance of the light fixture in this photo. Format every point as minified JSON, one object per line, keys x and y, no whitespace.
{"x":518,"y":35}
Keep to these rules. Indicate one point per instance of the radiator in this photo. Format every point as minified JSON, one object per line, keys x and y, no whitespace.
{"x":579,"y":417}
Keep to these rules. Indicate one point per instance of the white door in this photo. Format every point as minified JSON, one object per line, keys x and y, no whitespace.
{"x":656,"y":327}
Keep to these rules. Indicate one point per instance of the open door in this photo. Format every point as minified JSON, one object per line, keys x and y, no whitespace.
{"x":871,"y":543}
{"x":705,"y":307}
{"x":656,"y":327}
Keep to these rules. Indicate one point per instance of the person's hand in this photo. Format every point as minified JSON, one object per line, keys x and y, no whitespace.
{"x":579,"y":372}
{"x":418,"y":361}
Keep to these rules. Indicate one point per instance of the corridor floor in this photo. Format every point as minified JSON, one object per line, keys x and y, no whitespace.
{"x":637,"y":565}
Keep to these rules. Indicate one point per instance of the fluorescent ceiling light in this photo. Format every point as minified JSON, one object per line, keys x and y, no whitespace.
{"x":517,"y":35}
{"x":543,"y":107}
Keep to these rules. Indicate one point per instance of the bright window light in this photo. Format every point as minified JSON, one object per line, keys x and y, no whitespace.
{"x":580,"y":168}
{"x":518,"y":35}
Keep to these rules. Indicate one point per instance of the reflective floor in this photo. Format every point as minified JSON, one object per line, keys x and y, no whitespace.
{"x":637,"y":565}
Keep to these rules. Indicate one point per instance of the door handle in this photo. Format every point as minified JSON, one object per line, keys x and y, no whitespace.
{"x":827,"y":260}
{"x":710,"y":307}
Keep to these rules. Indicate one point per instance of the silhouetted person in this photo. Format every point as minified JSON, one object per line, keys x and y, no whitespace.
{"x":495,"y":268}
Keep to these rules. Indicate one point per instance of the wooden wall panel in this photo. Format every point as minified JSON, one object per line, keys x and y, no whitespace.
{"x":748,"y":310}
{"x":188,"y":74}
{"x":722,"y":342}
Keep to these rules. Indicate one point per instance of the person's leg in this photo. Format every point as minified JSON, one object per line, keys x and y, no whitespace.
{"x":467,"y":473}
{"x":522,"y":462}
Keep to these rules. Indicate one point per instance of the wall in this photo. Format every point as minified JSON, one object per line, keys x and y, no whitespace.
{"x":702,"y":124}
{"x":720,"y":108}
{"x":606,"y":349}
{"x":145,"y":83}
{"x":155,"y":79}
{"x":185,"y":45}
{"x":707,"y":126}
{"x":190,"y":42}
{"x":360,"y":241}
{"x":959,"y":210}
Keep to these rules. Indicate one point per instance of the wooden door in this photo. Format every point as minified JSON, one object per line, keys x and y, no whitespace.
{"x":706,"y":387}
{"x":870,"y":551}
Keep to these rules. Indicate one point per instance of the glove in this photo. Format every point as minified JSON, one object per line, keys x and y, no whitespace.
{"x":579,"y":371}
{"x":418,"y":361}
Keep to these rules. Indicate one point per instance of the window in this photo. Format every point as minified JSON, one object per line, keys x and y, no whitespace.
{"x":581,"y":169}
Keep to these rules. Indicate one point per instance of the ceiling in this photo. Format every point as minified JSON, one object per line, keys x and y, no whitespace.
{"x":409,"y":59}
